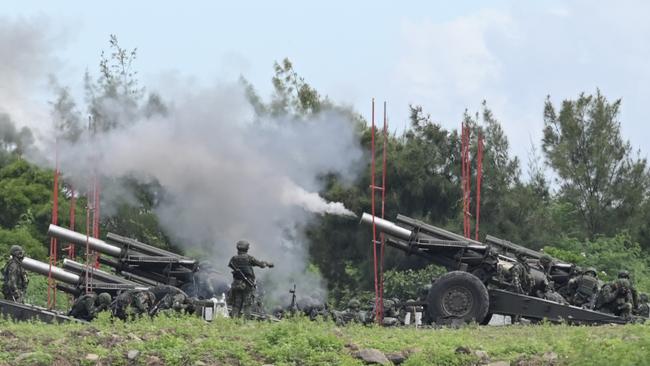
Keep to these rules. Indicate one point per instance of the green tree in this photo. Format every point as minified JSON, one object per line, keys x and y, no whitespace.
{"x":597,"y":172}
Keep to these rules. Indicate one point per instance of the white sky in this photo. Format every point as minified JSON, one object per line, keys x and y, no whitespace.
{"x":446,"y":56}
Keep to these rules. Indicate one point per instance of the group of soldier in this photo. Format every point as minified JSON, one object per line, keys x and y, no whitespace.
{"x":583,"y":288}
{"x":134,"y":303}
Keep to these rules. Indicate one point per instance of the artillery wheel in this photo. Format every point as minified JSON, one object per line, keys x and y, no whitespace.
{"x":487,"y":319}
{"x":457,"y":295}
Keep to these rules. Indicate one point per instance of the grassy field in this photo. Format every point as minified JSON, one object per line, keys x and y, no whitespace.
{"x":190,"y":341}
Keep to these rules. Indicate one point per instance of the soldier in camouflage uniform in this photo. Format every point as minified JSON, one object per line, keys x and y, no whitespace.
{"x":86,"y":307}
{"x":243,"y":284}
{"x":352,"y":314}
{"x":519,"y":276}
{"x":635,"y":295}
{"x":134,"y":303}
{"x":15,"y":277}
{"x":546,"y":264}
{"x":644,"y":308}
{"x":616,"y":298}
{"x":583,"y":289}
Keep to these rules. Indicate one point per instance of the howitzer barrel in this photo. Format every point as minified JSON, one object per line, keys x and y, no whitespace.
{"x":81,"y":240}
{"x":97,"y":274}
{"x":387,"y":227}
{"x":58,"y":274}
{"x":146,"y":249}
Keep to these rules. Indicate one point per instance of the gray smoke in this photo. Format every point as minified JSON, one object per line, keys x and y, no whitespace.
{"x":229,"y":175}
{"x":27,"y":59}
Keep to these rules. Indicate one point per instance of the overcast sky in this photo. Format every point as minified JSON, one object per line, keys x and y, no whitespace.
{"x":445,"y":56}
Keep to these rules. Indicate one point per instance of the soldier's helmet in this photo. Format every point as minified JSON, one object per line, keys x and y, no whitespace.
{"x":388,"y":304}
{"x":354,"y":304}
{"x":545,"y":259}
{"x":177,"y":301}
{"x":104,"y":299}
{"x":243,"y":245}
{"x":591,"y":270}
{"x":643,"y":297}
{"x":624,"y":274}
{"x":17,"y":251}
{"x":576,"y":270}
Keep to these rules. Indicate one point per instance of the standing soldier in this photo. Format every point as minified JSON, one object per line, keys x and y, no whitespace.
{"x":243,"y":283}
{"x":15,"y":277}
{"x":582,"y":290}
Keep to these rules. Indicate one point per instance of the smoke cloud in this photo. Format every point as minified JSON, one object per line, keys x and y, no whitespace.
{"x":27,"y":59}
{"x":228,"y":174}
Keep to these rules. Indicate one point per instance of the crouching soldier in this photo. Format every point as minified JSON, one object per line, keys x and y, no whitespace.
{"x":583,"y":289}
{"x":616,"y":298}
{"x":86,"y":307}
{"x":133,"y":303}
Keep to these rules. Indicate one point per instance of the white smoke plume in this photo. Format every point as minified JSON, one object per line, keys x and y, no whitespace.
{"x":229,"y":175}
{"x":27,"y":59}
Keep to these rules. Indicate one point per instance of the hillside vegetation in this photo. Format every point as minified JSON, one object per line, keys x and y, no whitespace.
{"x":191,"y":341}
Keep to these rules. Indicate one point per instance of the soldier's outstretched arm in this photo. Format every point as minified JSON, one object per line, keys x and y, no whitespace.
{"x":262,"y":264}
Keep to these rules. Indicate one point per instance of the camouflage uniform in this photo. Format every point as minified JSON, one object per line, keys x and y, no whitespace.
{"x":391,"y":314}
{"x":243,"y":284}
{"x":616,"y":298}
{"x":545,"y":290}
{"x":352,"y":314}
{"x":635,"y":295}
{"x":86,"y":307}
{"x":582,"y":290}
{"x":15,"y":277}
{"x":644,"y":308}
{"x":169,"y":297}
{"x":519,"y":276}
{"x":133,"y":303}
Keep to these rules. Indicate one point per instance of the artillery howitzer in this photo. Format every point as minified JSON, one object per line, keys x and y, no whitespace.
{"x":467,"y":292}
{"x":141,"y":263}
{"x":132,"y":259}
{"x":73,"y":278}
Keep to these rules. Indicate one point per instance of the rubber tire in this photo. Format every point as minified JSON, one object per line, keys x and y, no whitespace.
{"x":487,"y":319}
{"x":480,"y":298}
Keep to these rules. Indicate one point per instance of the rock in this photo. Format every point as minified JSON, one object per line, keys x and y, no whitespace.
{"x":396,"y":358}
{"x":92,"y":357}
{"x":133,"y":354}
{"x":372,"y":356}
{"x":499,"y":363}
{"x":482,"y":356}
{"x":199,"y":363}
{"x":462,"y":350}
{"x":550,"y":357}
{"x":154,"y":361}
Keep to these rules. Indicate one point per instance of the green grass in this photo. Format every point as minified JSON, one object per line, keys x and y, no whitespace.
{"x":189,"y":340}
